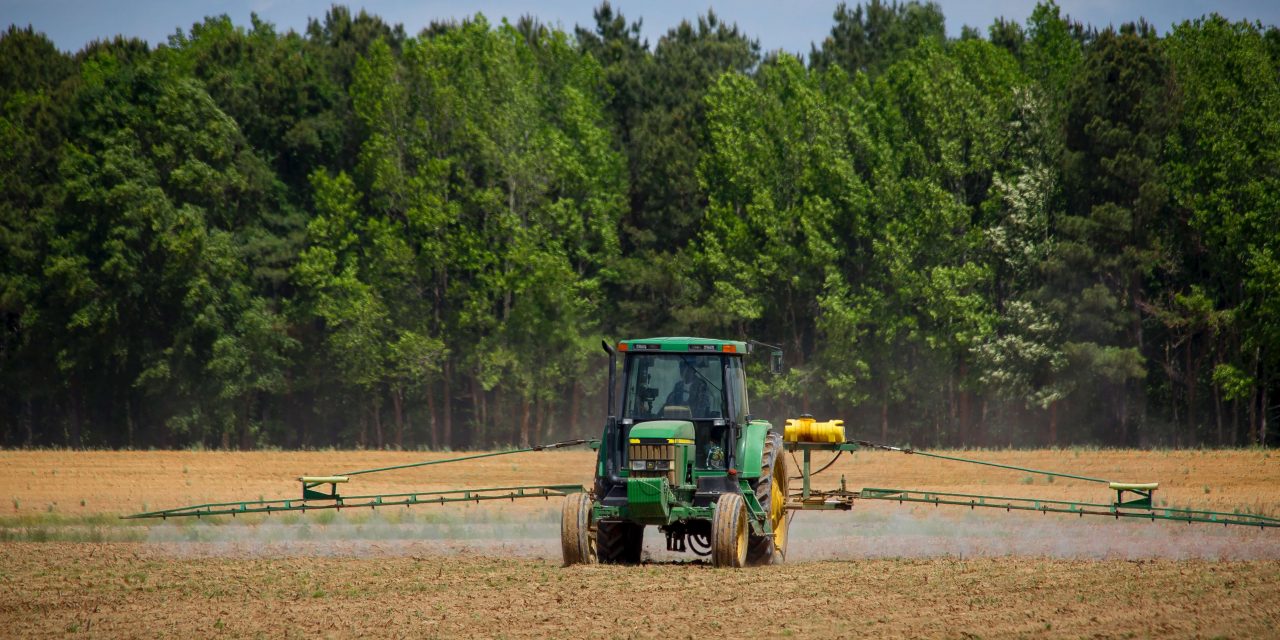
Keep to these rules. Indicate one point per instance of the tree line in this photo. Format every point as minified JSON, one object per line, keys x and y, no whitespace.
{"x":1041,"y":234}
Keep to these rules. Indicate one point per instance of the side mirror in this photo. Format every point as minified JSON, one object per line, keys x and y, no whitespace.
{"x":775,"y":361}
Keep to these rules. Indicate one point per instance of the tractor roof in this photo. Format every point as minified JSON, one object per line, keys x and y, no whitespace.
{"x":685,"y":344}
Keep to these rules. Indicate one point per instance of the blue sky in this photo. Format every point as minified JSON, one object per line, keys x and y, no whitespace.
{"x":790,"y":25}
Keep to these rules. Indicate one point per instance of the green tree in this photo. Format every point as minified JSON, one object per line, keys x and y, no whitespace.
{"x":35,"y":82}
{"x":1112,"y":240}
{"x":872,"y":36}
{"x":145,"y":271}
{"x":778,"y":174}
{"x":1222,"y":172}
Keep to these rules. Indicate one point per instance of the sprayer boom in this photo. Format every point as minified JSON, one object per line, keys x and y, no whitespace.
{"x":1132,"y":499}
{"x":371,"y":501}
{"x":314,"y":500}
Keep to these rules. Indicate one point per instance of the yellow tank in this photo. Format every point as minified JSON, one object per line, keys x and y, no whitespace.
{"x":807,"y":429}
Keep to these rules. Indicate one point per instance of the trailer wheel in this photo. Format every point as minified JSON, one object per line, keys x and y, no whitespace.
{"x":577,"y":537}
{"x":771,"y":491}
{"x":619,"y":542}
{"x":729,"y":532}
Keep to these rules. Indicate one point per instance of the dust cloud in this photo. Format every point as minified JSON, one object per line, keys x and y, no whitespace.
{"x":869,"y":531}
{"x":894,"y":531}
{"x":445,"y":531}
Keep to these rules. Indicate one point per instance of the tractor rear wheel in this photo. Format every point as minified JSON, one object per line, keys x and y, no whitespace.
{"x":771,"y":491}
{"x":619,"y":541}
{"x":577,"y":536}
{"x":729,"y":531}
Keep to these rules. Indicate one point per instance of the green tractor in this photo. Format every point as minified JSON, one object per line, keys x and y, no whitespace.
{"x":685,"y":455}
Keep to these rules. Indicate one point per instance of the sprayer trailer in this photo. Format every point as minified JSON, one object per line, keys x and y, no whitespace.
{"x":681,"y":452}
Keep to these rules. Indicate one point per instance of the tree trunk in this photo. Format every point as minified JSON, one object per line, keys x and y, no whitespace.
{"x":983,"y":430}
{"x":1170,"y":359}
{"x":304,"y":430}
{"x":364,"y":429}
{"x":1191,"y":375}
{"x":1262,"y":423}
{"x":953,"y":412}
{"x":128,"y":421}
{"x":1235,"y":422}
{"x":1138,"y":398}
{"x":433,"y":427}
{"x":524,"y":422}
{"x":1019,"y":409}
{"x":475,"y":408}
{"x":446,"y":399}
{"x":1053,"y":423}
{"x":1217,"y":412}
{"x":28,"y":421}
{"x":482,"y":429}
{"x":539,"y":418}
{"x":1124,"y":416}
{"x":575,"y":406}
{"x":477,"y":412}
{"x":377,"y":421}
{"x":1253,"y":398}
{"x":884,"y":421}
{"x":547,"y":418}
{"x":246,"y":434}
{"x":73,"y":406}
{"x":397,"y":402}
{"x":411,"y":441}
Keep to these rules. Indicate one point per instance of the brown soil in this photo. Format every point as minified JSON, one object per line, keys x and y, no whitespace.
{"x":492,"y":570}
{"x":35,"y":482}
{"x":133,"y":590}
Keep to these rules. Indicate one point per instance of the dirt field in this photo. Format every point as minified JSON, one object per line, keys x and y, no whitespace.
{"x":68,"y":567}
{"x":42,"y":482}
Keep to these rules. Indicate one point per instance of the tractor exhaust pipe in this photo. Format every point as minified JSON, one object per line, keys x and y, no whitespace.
{"x":613,"y":381}
{"x":612,"y":439}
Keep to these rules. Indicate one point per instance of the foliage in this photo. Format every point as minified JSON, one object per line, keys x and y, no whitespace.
{"x":355,"y":236}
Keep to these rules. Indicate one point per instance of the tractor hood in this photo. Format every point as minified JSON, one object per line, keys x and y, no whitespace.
{"x":663,"y":429}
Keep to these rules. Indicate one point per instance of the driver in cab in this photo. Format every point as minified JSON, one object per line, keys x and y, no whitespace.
{"x":690,"y":391}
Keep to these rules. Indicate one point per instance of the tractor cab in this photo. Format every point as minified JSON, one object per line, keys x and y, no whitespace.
{"x":698,"y":382}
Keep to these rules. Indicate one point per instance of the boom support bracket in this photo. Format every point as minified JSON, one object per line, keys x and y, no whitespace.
{"x":1142,"y":490}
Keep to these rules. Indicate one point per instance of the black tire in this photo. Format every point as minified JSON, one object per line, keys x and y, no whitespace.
{"x":619,"y":542}
{"x":729,"y":532}
{"x":577,"y":539}
{"x":773,"y":472}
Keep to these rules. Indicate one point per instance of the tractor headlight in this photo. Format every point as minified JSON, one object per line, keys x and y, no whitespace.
{"x":650,"y":465}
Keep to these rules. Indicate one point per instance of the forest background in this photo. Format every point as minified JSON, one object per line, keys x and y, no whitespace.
{"x":1044,"y":234}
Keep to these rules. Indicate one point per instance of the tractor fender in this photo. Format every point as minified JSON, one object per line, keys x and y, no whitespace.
{"x":751,"y":448}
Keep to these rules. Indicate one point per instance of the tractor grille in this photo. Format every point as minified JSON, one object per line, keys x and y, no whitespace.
{"x":654,"y":452}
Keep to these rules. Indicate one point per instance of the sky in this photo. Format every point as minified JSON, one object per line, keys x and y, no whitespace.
{"x":790,"y":25}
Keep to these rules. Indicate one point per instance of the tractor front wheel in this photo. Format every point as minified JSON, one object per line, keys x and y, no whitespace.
{"x":577,"y":537}
{"x":729,"y":531}
{"x":619,"y":541}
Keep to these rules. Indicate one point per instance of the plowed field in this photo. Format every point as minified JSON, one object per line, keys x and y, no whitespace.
{"x":67,"y":566}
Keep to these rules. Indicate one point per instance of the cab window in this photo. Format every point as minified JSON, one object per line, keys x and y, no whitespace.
{"x":674,"y":386}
